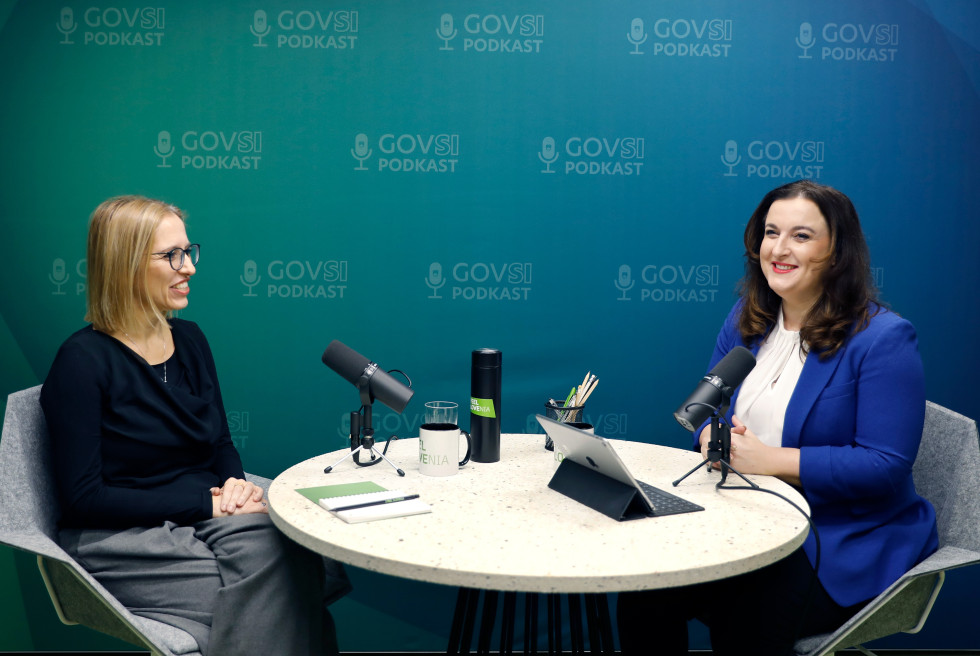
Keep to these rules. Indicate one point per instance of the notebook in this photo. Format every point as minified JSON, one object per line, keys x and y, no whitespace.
{"x":365,"y":501}
{"x":596,"y":454}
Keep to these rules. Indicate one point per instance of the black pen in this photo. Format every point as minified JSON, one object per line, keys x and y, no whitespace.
{"x":375,"y":503}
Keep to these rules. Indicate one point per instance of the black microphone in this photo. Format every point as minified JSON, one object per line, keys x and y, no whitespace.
{"x":715,"y":388}
{"x":355,"y":368}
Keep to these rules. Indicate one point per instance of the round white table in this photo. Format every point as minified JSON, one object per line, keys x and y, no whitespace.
{"x":497,"y":526}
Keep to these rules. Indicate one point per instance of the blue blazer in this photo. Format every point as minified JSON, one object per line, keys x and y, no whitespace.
{"x":857,"y":420}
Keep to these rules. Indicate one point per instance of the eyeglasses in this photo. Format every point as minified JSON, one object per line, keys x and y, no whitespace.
{"x":194,"y":251}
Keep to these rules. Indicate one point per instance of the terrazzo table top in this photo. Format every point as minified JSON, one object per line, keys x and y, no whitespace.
{"x":498,"y":526}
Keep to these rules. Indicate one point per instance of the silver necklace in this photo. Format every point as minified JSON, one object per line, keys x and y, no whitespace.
{"x":144,"y":355}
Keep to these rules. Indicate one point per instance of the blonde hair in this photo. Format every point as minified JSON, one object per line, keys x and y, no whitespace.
{"x":120,"y":241}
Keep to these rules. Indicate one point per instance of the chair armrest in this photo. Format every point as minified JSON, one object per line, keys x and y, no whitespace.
{"x":946,"y":558}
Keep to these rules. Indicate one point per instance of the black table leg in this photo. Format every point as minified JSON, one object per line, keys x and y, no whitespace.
{"x":603,"y":622}
{"x":464,"y":620}
{"x":575,"y":623}
{"x":487,"y":621}
{"x":531,"y":624}
{"x":554,"y":623}
{"x":597,"y":622}
{"x":507,"y":623}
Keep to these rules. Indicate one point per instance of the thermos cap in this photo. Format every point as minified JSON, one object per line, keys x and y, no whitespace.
{"x":487,"y":358}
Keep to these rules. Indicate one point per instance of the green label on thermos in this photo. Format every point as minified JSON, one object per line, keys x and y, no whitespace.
{"x":482,"y":407}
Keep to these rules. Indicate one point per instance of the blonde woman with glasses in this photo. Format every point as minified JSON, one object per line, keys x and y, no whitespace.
{"x":154,"y":500}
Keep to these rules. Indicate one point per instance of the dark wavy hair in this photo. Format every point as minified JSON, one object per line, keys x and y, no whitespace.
{"x":849,"y":297}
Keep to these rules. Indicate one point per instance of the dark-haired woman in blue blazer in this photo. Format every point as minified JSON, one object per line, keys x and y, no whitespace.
{"x":834,"y":406}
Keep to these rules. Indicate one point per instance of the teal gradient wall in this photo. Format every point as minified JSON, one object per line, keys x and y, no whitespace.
{"x":566,"y":181}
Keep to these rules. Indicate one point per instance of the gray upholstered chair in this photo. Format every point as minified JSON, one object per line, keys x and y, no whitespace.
{"x":947,"y":473}
{"x":28,"y":511}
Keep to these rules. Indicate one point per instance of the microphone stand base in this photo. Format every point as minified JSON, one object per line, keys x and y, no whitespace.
{"x":706,"y":463}
{"x":725,"y":466}
{"x":724,"y":473}
{"x":374,"y":455}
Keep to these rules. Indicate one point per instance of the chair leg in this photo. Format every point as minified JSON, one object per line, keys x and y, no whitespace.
{"x":51,"y":593}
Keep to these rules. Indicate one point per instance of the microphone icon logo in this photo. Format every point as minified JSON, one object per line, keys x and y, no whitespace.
{"x":731,"y":158}
{"x":250,"y":277}
{"x":624,"y":281}
{"x":447,"y":31}
{"x":67,"y":24}
{"x":163,"y":149}
{"x":548,"y":155}
{"x":58,"y":276}
{"x":637,"y":36}
{"x":435,"y":279}
{"x":260,"y":27}
{"x":805,"y":40}
{"x":361,"y":151}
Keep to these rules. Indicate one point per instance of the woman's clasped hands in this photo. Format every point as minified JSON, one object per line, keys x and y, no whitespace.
{"x":749,"y":455}
{"x":237,"y":497}
{"x":745,"y":447}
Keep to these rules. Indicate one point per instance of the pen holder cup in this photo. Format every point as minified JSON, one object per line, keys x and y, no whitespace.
{"x":559,"y":412}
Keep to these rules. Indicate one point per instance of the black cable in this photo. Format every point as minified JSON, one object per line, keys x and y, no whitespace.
{"x":816,"y":535}
{"x":816,"y":539}
{"x":403,"y":374}
{"x":752,"y":486}
{"x":384,"y":451}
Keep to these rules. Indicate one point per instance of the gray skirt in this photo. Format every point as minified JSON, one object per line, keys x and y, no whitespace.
{"x":236,"y":584}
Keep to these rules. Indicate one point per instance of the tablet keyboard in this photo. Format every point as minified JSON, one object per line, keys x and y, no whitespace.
{"x":665,"y":503}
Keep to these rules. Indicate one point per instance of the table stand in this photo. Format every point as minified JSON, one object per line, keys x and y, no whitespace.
{"x":598,"y":625}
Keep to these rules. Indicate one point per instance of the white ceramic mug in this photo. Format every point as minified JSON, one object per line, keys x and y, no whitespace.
{"x":439,"y":449}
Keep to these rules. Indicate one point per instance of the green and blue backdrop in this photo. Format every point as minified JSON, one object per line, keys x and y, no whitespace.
{"x":566,"y":181}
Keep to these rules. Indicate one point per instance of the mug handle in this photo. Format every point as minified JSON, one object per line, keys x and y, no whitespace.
{"x":469,"y":447}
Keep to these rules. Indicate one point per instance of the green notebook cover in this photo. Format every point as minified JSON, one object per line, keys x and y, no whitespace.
{"x":314,"y":494}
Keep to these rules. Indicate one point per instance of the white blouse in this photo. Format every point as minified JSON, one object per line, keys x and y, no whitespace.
{"x":765,"y":394}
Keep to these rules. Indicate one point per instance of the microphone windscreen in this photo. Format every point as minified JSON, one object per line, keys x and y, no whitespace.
{"x":734,"y":367}
{"x":345,"y":361}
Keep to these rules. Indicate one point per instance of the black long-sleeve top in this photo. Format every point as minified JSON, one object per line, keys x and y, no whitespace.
{"x":129,"y":449}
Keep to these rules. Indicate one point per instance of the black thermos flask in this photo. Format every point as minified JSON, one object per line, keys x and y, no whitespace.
{"x":485,"y":405}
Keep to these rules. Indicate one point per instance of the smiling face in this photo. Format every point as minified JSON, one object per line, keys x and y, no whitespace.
{"x":794,"y":252}
{"x":168,"y":288}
